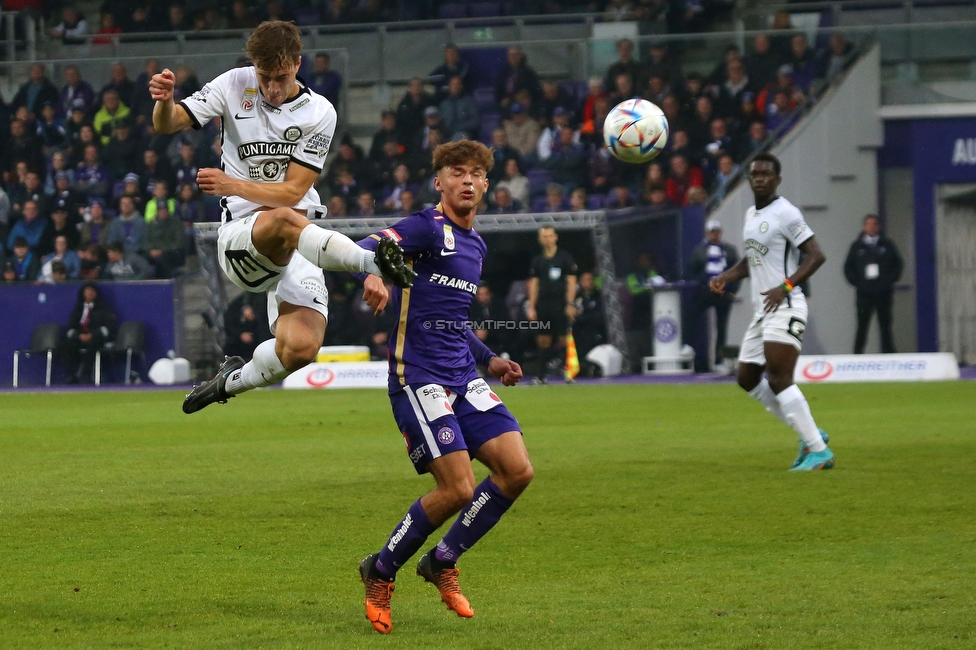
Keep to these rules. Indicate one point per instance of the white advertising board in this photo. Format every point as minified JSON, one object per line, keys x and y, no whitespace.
{"x":360,"y":374}
{"x":936,"y":366}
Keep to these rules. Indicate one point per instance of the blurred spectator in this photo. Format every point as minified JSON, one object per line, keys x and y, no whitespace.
{"x":662,"y":64}
{"x":94,"y":229}
{"x":58,"y":170}
{"x":694,"y":88}
{"x":106,"y":29}
{"x":763,"y":63}
{"x":656,"y":90}
{"x":410,"y":113}
{"x":91,"y":177}
{"x":873,"y":266}
{"x":721,"y":70}
{"x":834,"y":59}
{"x":625,"y":64}
{"x":555,"y":200}
{"x":453,"y":66}
{"x":640,"y":285}
{"x":387,"y":131}
{"x":700,"y":124}
{"x":30,"y":227}
{"x":90,"y":325}
{"x":620,"y":198}
{"x":324,"y":80}
{"x":549,"y":137}
{"x":555,"y":97}
{"x":345,"y":187}
{"x":4,"y":216}
{"x":623,"y":88}
{"x":164,"y":243}
{"x":729,"y":95}
{"x":337,"y":11}
{"x":109,"y":115}
{"x":76,"y":120}
{"x":160,"y":196}
{"x":696,"y":195}
{"x":121,"y":84}
{"x":186,"y":171}
{"x":26,"y":264}
{"x":503,"y":203}
{"x":657,"y":198}
{"x":73,"y":26}
{"x":58,"y":226}
{"x":682,"y":176}
{"x":720,"y":142}
{"x":516,"y":184}
{"x":71,"y":263}
{"x":139,"y":22}
{"x":502,"y":152}
{"x":154,"y":167}
{"x":93,"y":261}
{"x":589,"y":328}
{"x":780,"y":115}
{"x":189,"y":206}
{"x":130,"y":188}
{"x":125,"y":266}
{"x":123,"y":151}
{"x":176,"y":19}
{"x":708,"y":259}
{"x":336,"y":207}
{"x":577,"y":199}
{"x":521,"y":130}
{"x":618,"y":10}
{"x":780,"y":41}
{"x":391,"y":193}
{"x":746,"y":113}
{"x":755,"y":141}
{"x":568,"y":161}
{"x":142,"y":103}
{"x":75,"y":92}
{"x":408,"y":202}
{"x":58,"y":273}
{"x":9,"y":274}
{"x":23,"y":145}
{"x":653,"y":176}
{"x":186,"y":82}
{"x":459,"y":112}
{"x":30,"y":190}
{"x":727,"y":169}
{"x":604,"y":169}
{"x":516,"y":75}
{"x":432,"y":121}
{"x":383,"y":168}
{"x":245,"y":324}
{"x":241,"y":16}
{"x":366,"y":205}
{"x":129,"y":228}
{"x":803,"y":61}
{"x":595,"y":91}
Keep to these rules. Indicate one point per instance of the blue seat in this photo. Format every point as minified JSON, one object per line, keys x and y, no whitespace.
{"x":596,"y":201}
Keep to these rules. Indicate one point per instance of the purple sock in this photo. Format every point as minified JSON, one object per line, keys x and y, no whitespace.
{"x":406,"y":539}
{"x":474,"y":522}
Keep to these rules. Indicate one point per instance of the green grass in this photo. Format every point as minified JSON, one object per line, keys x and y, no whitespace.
{"x":660,"y":517}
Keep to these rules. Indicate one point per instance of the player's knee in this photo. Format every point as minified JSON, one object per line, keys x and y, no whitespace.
{"x":747,"y":382}
{"x":298,"y":354}
{"x":521,"y":478}
{"x":461,"y":493}
{"x":780,"y":382}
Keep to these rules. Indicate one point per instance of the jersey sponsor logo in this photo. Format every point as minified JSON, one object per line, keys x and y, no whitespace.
{"x":201,"y":95}
{"x":445,"y":435}
{"x":251,"y":149}
{"x":454,"y":283}
{"x":796,"y":328}
{"x":448,"y":238}
{"x":475,"y":508}
{"x":298,"y":105}
{"x":763,"y":227}
{"x":271,"y":108}
{"x":293,"y":133}
{"x":555,"y":273}
{"x":446,"y":253}
{"x":795,"y":227}
{"x":251,"y":272}
{"x":752,"y":244}
{"x":318,"y":144}
{"x":417,"y":454}
{"x":238,"y":116}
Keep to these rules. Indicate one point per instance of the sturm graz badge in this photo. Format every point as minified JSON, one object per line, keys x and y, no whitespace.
{"x":270,"y":170}
{"x":796,"y":328}
{"x":292,"y":133}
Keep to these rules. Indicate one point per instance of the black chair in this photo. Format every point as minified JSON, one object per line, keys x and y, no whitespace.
{"x":45,"y":340}
{"x":130,"y":339}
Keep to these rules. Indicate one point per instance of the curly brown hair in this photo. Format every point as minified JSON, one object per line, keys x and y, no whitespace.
{"x":274,"y":45}
{"x":463,"y":152}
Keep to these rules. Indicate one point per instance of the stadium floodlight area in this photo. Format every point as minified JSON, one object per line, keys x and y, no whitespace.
{"x":595,"y":221}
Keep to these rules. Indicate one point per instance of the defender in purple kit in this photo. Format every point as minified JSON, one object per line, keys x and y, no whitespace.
{"x":446,"y":412}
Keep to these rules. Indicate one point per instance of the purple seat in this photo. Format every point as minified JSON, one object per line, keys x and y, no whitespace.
{"x":539,"y":203}
{"x":484,"y":64}
{"x":489,"y":122}
{"x":452,"y":10}
{"x":485,"y":97}
{"x":307,"y":15}
{"x":118,"y":189}
{"x":596,"y":201}
{"x":486,"y":9}
{"x":538,"y":179}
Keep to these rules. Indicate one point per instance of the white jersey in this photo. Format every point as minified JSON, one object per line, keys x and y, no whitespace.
{"x":772,"y":238}
{"x":259,"y":140}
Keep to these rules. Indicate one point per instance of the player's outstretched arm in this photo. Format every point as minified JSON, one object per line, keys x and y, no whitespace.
{"x":738,"y":271}
{"x":286,"y":194}
{"x":168,"y":116}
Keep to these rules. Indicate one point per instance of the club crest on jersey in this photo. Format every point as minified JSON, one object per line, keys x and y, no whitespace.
{"x":448,"y":237}
{"x":247,"y":101}
{"x":292,"y":133}
{"x":763,"y":227}
{"x":555,"y":273}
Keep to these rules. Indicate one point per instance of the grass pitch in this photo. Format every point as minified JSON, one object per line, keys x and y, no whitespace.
{"x":660,"y":517}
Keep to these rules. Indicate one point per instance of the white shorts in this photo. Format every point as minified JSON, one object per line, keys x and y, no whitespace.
{"x":300,"y":283}
{"x":785,"y":325}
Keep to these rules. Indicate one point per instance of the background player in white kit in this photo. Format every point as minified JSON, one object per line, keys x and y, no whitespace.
{"x":775,"y":234}
{"x":275,"y":134}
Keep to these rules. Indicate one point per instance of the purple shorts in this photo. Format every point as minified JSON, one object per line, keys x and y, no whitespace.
{"x":436,"y":420}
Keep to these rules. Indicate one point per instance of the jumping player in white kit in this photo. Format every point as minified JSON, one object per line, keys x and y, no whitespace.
{"x":275,"y":135}
{"x":775,"y":234}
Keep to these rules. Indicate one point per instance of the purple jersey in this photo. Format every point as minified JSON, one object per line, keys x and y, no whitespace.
{"x":431,"y":342}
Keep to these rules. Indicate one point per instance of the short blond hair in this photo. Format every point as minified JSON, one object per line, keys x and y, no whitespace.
{"x":274,"y":45}
{"x":463,"y":152}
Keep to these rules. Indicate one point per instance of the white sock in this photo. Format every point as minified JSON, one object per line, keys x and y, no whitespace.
{"x":333,"y":251}
{"x":797,"y":412}
{"x":264,"y":369}
{"x":765,"y":396}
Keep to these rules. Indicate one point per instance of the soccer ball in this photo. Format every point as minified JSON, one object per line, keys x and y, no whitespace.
{"x":635,"y":130}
